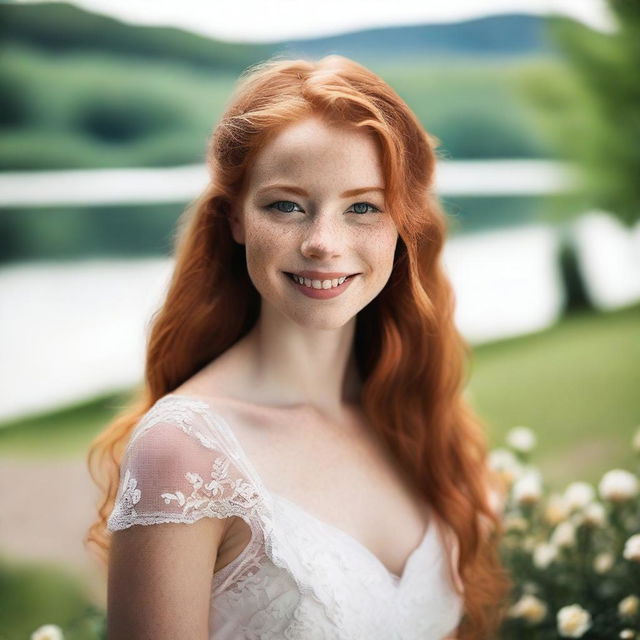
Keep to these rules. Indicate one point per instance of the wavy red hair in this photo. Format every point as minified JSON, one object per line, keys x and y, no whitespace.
{"x":409,"y":353}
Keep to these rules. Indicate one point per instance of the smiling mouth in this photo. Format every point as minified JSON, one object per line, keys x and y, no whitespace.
{"x":290,"y":276}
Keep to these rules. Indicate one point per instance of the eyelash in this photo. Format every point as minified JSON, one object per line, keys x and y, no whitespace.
{"x":273,"y":206}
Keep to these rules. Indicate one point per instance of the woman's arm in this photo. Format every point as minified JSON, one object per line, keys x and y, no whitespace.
{"x":159,"y":583}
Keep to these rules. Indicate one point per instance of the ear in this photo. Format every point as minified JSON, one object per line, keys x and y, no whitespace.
{"x":236,"y":224}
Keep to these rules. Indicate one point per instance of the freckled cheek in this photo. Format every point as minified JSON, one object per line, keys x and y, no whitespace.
{"x":380,"y":249}
{"x":264,"y":247}
{"x":260,"y":229}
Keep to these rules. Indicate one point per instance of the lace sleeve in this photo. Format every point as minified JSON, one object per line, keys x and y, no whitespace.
{"x":176,"y":468}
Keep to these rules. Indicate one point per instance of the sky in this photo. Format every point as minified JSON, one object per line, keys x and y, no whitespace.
{"x":274,"y":20}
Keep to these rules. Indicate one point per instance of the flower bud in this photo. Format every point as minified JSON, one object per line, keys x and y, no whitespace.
{"x":530,"y":608}
{"x":628,"y":607}
{"x":573,"y":621}
{"x":544,"y":554}
{"x":506,"y":464}
{"x":632,"y":548}
{"x":48,"y":632}
{"x":603,"y":562}
{"x":618,"y":485}
{"x":527,"y":489}
{"x":564,"y":535}
{"x":556,"y":509}
{"x":595,"y":515}
{"x":521,"y":439}
{"x":578,"y":495}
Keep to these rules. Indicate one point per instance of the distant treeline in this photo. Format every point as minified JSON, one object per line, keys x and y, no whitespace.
{"x":96,"y":110}
{"x":82,"y":90}
{"x":59,"y":28}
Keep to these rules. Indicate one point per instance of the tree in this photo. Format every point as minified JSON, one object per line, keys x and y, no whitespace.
{"x":590,"y":109}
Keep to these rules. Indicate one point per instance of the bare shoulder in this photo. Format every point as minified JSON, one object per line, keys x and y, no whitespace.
{"x":232,"y":401}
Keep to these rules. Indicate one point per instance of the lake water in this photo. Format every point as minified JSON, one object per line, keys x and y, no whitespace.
{"x":72,"y":330}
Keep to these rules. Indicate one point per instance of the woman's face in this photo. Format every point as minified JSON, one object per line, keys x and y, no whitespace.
{"x":301,"y":215}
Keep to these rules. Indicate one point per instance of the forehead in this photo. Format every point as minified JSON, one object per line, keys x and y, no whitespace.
{"x":312,"y":149}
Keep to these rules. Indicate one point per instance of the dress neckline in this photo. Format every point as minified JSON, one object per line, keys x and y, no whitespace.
{"x":397,"y":580}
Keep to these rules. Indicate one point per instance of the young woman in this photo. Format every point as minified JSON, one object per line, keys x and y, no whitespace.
{"x":303,"y":410}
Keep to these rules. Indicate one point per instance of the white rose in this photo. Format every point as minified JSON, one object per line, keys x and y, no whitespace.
{"x":573,"y":621}
{"x":628,"y":606}
{"x":579,"y":494}
{"x":603,"y":562}
{"x":530,"y":608}
{"x":627,"y":634}
{"x":618,"y":485}
{"x":48,"y":632}
{"x":506,"y":464}
{"x":527,"y":489}
{"x":521,"y":439}
{"x":544,"y":554}
{"x":564,"y":535}
{"x":632,"y":548}
{"x":556,"y":509}
{"x":636,"y":441}
{"x":594,"y":514}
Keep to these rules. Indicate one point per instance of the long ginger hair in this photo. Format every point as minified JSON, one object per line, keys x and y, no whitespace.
{"x":409,"y":354}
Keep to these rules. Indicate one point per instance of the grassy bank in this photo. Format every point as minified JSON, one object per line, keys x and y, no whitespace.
{"x":576,"y":384}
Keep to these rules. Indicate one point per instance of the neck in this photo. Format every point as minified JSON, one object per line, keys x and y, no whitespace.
{"x":288,"y":364}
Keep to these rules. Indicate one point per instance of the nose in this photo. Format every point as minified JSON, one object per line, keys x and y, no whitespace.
{"x":322,"y":238}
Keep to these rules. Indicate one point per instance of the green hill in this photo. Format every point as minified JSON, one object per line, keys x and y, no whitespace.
{"x":58,"y":28}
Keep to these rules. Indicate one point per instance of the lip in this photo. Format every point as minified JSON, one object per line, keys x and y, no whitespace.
{"x":320,"y":294}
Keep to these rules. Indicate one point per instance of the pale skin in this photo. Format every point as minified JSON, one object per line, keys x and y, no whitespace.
{"x":290,"y":388}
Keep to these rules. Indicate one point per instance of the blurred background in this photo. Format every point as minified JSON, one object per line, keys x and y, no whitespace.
{"x":106,"y":111}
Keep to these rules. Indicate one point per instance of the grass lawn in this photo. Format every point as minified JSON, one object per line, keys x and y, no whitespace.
{"x":34,"y":594}
{"x":576,"y":384}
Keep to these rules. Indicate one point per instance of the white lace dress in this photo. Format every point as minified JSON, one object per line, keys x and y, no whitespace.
{"x":298,"y":577}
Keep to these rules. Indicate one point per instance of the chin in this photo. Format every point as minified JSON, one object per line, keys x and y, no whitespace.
{"x":322,"y":321}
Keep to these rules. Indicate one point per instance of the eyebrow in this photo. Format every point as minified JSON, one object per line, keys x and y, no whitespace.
{"x":302,"y":192}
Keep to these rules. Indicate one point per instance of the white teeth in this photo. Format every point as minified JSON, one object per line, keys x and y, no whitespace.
{"x":319,"y":284}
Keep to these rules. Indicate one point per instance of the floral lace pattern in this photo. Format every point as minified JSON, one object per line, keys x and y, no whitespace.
{"x":240,"y":491}
{"x":298,"y":578}
{"x":130,"y":495}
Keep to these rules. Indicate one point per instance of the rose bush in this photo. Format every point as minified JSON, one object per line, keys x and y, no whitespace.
{"x":574,"y":555}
